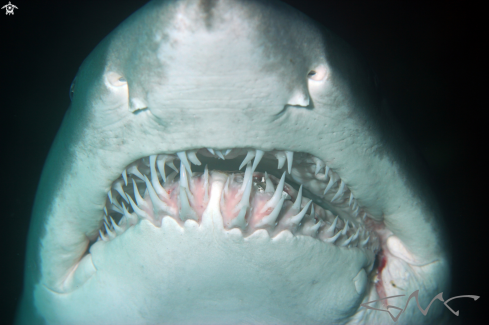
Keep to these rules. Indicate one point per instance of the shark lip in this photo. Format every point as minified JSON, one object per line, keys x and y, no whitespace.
{"x":278,"y":190}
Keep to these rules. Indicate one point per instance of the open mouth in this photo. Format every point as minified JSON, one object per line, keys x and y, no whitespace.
{"x":278,"y":191}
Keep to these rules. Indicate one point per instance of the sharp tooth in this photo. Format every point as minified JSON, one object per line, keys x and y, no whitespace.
{"x":332,"y":239}
{"x":346,"y":242}
{"x":330,"y":231}
{"x":183,"y":176}
{"x":269,"y":184}
{"x":298,"y":201}
{"x":134,"y":171}
{"x":364,"y":216}
{"x":226,"y":186}
{"x":354,"y":205}
{"x":131,"y":218}
{"x":249,"y":156}
{"x":105,"y":210}
{"x":248,"y":174}
{"x":138,"y":197}
{"x":356,"y":235}
{"x":351,"y":199}
{"x":118,"y":187}
{"x":295,"y":220}
{"x":161,"y":161}
{"x":171,"y":177}
{"x":319,"y":165}
{"x":345,"y":229}
{"x":154,"y":179}
{"x":183,"y":159}
{"x":109,"y":232}
{"x":363,"y":243}
{"x":281,"y":158}
{"x":124,"y":176}
{"x":193,"y":158}
{"x":118,"y":230}
{"x":330,"y":185}
{"x":244,"y":203}
{"x":276,"y":196}
{"x":110,"y":195}
{"x":158,"y":206}
{"x":312,"y":230}
{"x":211,"y":151}
{"x":102,"y":236}
{"x":227,"y":152}
{"x":186,"y":211}
{"x":220,"y":155}
{"x":340,"y":191}
{"x":355,"y":213}
{"x":140,"y":213}
{"x":116,"y":206}
{"x":313,"y":214}
{"x":290,"y":158}
{"x":258,"y":157}
{"x":206,"y":184}
{"x":272,"y":217}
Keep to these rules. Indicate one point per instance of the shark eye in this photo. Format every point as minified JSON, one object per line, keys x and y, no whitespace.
{"x":72,"y":89}
{"x":318,"y":74}
{"x":116,"y":80}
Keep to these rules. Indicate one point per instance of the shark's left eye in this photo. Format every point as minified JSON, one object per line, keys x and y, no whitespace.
{"x":318,"y":73}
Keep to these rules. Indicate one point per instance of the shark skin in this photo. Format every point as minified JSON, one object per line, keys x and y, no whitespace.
{"x":249,"y":80}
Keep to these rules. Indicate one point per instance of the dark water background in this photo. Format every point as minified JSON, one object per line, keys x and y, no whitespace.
{"x":427,"y":55}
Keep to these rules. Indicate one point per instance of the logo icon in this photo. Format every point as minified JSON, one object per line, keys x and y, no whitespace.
{"x":9,"y":9}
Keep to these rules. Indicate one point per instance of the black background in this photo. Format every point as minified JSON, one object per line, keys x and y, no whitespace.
{"x":427,"y":55}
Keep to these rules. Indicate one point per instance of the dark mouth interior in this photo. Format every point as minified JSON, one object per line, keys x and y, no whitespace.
{"x":162,"y":186}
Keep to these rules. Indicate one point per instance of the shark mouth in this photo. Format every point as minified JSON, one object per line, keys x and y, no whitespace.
{"x":278,"y":191}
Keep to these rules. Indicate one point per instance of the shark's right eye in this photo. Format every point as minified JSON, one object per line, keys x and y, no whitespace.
{"x":116,"y":80}
{"x":318,"y":74}
{"x":72,"y":89}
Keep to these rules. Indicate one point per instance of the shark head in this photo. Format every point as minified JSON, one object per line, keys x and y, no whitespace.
{"x":229,"y":162}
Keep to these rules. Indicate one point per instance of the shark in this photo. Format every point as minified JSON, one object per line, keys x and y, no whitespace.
{"x":230,"y":162}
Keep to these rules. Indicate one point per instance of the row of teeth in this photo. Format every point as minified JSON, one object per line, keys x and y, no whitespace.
{"x":305,"y":224}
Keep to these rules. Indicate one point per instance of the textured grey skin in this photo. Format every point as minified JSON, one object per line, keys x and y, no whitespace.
{"x":185,"y":63}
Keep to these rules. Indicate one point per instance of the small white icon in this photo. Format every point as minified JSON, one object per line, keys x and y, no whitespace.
{"x":9,"y":9}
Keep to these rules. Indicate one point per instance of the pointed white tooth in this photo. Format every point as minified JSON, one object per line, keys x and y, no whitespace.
{"x":140,"y":213}
{"x":249,"y":156}
{"x":131,"y":218}
{"x":269,"y":184}
{"x":183,"y":176}
{"x":319,"y":165}
{"x":227,"y":152}
{"x":312,"y":230}
{"x":102,"y":236}
{"x":105,"y":210}
{"x":345,"y":228}
{"x":109,"y":232}
{"x":330,"y":231}
{"x":355,"y":212}
{"x":206,"y":184}
{"x":124,"y":176}
{"x":332,"y":239}
{"x":220,"y":155}
{"x":327,"y":171}
{"x":340,"y":191}
{"x":116,"y":207}
{"x":138,"y":197}
{"x":276,"y":196}
{"x":356,"y":235}
{"x":295,"y":220}
{"x":346,"y":242}
{"x":240,"y":221}
{"x":110,"y":195}
{"x":329,"y":186}
{"x":243,"y":204}
{"x":298,"y":201}
{"x":183,"y":159}
{"x":154,"y":179}
{"x":193,"y":158}
{"x":258,"y":157}
{"x":272,"y":217}
{"x":351,"y":199}
{"x":363,"y":243}
{"x":354,"y":205}
{"x":290,"y":158}
{"x":364,"y":216}
{"x":171,"y":177}
{"x":186,"y":211}
{"x":133,"y":170}
{"x":160,"y":162}
{"x":118,"y":187}
{"x":159,"y":206}
{"x":313,"y":214}
{"x":211,"y":151}
{"x":247,"y":176}
{"x":118,"y":230}
{"x":280,"y":155}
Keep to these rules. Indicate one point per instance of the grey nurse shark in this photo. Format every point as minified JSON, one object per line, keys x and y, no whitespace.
{"x":230,"y":162}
